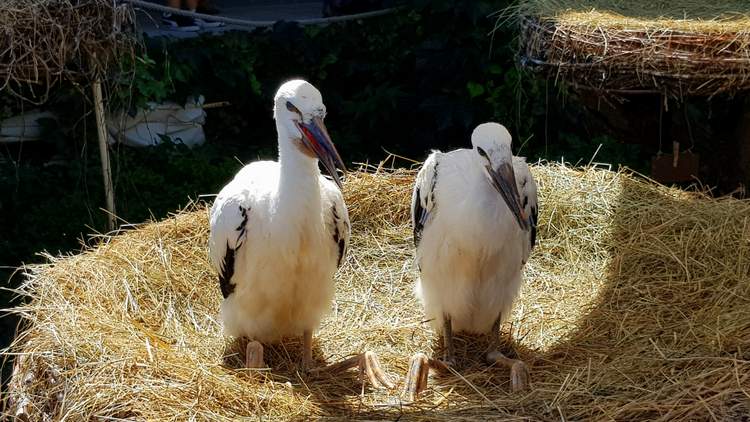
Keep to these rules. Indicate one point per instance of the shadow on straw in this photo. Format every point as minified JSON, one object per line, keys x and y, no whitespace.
{"x":332,"y":392}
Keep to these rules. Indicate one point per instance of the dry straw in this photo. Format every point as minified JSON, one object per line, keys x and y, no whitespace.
{"x":44,"y":41}
{"x":636,"y":307}
{"x":678,"y":48}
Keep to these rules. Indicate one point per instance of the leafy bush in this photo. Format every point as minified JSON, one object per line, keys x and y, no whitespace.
{"x":410,"y":81}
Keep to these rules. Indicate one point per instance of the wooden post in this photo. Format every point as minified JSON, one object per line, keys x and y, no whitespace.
{"x":101,"y":129}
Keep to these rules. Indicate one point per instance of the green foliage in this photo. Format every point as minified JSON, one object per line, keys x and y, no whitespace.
{"x":156,"y":181}
{"x":573,"y":149}
{"x":417,"y":79}
{"x":475,"y":89}
{"x":148,"y":85}
{"x":141,"y":79}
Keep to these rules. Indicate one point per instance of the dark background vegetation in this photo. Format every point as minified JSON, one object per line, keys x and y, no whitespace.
{"x":405,"y":83}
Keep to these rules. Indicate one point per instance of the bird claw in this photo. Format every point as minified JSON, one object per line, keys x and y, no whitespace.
{"x":519,"y":372}
{"x":370,"y":366}
{"x":416,"y":378}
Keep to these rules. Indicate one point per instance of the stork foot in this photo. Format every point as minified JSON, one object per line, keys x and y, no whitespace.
{"x":368,"y":366}
{"x":519,"y":372}
{"x":416,"y":378}
{"x":419,"y":369}
{"x":254,"y":355}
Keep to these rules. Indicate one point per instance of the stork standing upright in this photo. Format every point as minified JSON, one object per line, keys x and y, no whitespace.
{"x":474,"y":213}
{"x":279,"y":231}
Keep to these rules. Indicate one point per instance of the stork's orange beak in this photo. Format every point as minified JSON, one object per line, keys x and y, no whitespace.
{"x":316,"y":138}
{"x":504,"y":181}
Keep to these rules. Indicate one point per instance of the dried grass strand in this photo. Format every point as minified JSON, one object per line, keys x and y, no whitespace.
{"x":45,"y":41}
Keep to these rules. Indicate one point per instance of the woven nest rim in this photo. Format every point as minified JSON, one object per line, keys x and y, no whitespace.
{"x":616,"y":51}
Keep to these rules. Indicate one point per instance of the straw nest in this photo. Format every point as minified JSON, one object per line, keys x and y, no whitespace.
{"x":680,"y":48}
{"x":635,"y":307}
{"x":46,"y":40}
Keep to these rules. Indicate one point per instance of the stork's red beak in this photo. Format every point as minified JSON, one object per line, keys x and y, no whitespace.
{"x":504,"y":181}
{"x":316,"y":139}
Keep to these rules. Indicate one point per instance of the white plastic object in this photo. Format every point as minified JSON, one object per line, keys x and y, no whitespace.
{"x":159,"y":122}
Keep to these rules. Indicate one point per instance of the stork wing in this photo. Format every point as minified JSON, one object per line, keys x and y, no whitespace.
{"x":529,"y":201}
{"x":337,"y":218}
{"x":229,"y":225}
{"x":423,"y":196}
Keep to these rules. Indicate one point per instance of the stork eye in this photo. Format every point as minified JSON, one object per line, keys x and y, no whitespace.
{"x":481,"y":152}
{"x":291,"y":107}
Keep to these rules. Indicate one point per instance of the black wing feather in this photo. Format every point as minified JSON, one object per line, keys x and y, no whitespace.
{"x":534,"y":217}
{"x":342,"y":245}
{"x":337,"y":239}
{"x":227,"y":271}
{"x":419,"y":213}
{"x":227,"y":264}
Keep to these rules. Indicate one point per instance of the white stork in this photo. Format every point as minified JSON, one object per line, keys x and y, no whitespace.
{"x":279,"y":231}
{"x":474,"y":213}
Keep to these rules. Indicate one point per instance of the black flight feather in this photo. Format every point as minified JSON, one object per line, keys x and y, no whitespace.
{"x":227,"y":265}
{"x":227,"y":271}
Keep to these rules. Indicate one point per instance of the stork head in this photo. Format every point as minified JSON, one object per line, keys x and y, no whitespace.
{"x":299,"y":109}
{"x":491,"y":142}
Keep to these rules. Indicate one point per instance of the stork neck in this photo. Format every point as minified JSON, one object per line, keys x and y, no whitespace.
{"x":298,"y":182}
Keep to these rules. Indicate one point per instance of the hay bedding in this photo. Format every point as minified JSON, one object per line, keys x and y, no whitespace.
{"x":636,"y":307}
{"x":677,"y":48}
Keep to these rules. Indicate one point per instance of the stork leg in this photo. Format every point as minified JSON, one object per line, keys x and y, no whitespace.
{"x":519,"y":372}
{"x":307,"y":361}
{"x":449,"y":353}
{"x":254,"y":355}
{"x":416,"y":377}
{"x":368,"y":365}
{"x":420,"y":364}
